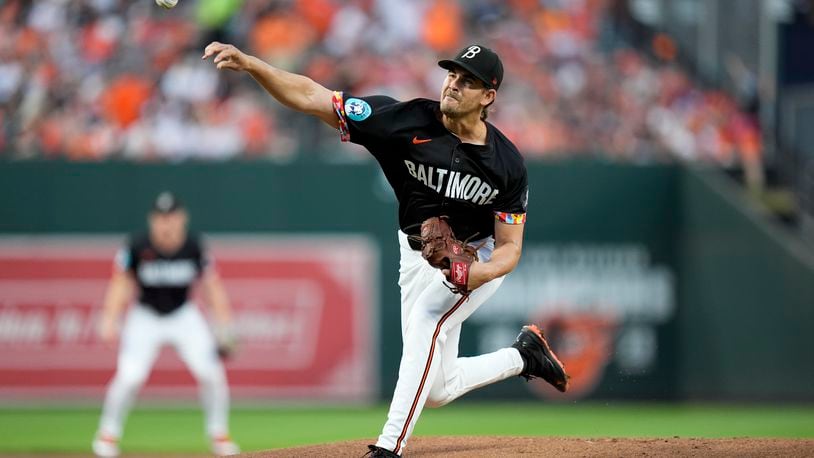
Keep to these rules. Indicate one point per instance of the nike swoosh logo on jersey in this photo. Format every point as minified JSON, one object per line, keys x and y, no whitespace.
{"x":418,"y":141}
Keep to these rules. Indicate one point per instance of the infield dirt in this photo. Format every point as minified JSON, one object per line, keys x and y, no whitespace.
{"x":485,"y":446}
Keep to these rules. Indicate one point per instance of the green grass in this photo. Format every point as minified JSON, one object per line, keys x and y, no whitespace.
{"x":180,"y":430}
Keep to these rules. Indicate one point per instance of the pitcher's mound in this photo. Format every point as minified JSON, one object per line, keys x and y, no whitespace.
{"x":485,"y":446}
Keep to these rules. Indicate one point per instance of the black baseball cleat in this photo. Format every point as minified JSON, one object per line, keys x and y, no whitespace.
{"x":378,"y":452}
{"x":538,"y":359}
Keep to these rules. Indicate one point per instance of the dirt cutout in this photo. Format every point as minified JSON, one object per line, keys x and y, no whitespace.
{"x":485,"y":446}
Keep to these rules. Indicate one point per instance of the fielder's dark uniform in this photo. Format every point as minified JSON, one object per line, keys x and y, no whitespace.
{"x":432,"y":174}
{"x":162,"y":316}
{"x":163,"y":280}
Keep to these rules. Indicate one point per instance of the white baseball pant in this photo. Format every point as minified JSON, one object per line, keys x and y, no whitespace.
{"x":431,"y":372}
{"x":143,"y":335}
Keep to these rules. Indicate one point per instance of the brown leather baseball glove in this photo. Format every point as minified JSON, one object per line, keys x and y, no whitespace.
{"x":443,"y":251}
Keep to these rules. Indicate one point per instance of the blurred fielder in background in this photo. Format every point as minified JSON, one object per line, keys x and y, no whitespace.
{"x":161,"y":266}
{"x":452,"y":171}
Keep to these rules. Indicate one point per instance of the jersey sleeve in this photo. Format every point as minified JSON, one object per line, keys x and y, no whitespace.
{"x":207,"y":261}
{"x":511,"y":207}
{"x":201,"y":254}
{"x":125,"y":258}
{"x":365,"y":120}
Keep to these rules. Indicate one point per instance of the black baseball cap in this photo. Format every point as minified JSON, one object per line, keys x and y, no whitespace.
{"x":481,"y":62}
{"x":166,"y":202}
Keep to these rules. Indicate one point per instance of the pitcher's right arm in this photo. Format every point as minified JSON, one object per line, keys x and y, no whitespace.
{"x":295,"y":91}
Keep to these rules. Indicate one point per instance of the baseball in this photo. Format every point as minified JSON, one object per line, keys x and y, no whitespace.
{"x":166,"y":3}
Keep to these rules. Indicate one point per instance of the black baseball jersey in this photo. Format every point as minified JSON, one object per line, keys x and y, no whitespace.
{"x":163,"y":280}
{"x":431,"y":171}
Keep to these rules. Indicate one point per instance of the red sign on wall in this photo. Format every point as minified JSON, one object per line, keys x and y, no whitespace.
{"x":303,"y":310}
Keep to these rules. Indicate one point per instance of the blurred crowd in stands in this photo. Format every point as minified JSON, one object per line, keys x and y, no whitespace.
{"x":100,"y":79}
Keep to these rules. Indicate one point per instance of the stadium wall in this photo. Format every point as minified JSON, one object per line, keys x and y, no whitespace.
{"x":662,"y":282}
{"x":747,"y":296}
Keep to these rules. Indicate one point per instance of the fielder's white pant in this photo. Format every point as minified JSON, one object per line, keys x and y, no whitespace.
{"x":430,"y":371}
{"x":143,"y":335}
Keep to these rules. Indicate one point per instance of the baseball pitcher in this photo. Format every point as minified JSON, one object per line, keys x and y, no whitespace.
{"x":462,"y":190}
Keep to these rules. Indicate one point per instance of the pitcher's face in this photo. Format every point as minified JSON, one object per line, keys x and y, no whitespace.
{"x":462,"y":94}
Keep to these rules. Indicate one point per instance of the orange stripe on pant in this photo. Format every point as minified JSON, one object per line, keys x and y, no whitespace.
{"x":426,"y":371}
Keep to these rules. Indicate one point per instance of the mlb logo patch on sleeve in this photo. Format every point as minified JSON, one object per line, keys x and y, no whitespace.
{"x":357,"y":109}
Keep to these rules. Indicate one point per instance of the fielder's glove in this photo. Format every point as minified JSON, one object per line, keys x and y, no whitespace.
{"x":443,"y":251}
{"x":226,"y":342}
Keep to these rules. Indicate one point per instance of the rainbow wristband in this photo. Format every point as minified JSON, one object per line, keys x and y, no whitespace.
{"x":511,"y":218}
{"x":339,"y":108}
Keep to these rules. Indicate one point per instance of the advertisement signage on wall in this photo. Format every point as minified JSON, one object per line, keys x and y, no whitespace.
{"x":601,"y":305}
{"x":304,"y":308}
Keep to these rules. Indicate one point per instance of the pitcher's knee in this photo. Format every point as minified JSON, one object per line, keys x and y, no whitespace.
{"x":437,"y":398}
